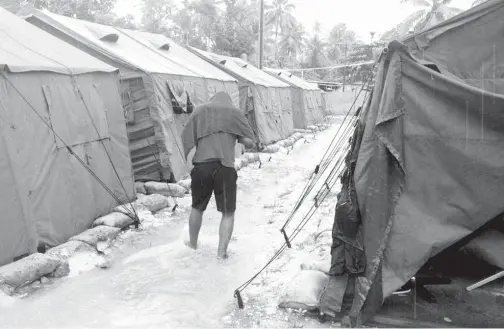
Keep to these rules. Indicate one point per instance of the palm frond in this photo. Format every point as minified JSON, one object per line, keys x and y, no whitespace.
{"x":478,"y":2}
{"x":420,"y":3}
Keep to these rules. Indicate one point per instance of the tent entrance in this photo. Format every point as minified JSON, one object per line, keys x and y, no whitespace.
{"x":141,"y":132}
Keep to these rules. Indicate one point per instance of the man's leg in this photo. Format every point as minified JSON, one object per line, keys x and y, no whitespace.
{"x":195,"y":220}
{"x":225,"y":233}
{"x":225,"y":197}
{"x":201,"y":190}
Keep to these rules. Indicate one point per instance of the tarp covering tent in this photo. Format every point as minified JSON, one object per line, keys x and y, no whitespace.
{"x":425,"y":169}
{"x":49,"y":89}
{"x":265,"y":99}
{"x":451,"y":44}
{"x":161,"y":85}
{"x":307,"y":103}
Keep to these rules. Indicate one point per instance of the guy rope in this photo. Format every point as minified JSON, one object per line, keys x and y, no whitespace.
{"x":336,"y":146}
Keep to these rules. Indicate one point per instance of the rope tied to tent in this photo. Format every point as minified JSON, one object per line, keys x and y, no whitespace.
{"x":329,"y":183}
{"x":328,"y":156}
{"x":133,"y":214}
{"x":130,"y":213}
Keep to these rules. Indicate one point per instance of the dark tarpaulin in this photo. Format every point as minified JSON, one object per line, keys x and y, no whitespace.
{"x":428,"y":173}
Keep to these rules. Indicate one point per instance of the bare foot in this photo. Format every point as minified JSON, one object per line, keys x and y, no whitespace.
{"x":190,"y":245}
{"x":222,"y":257}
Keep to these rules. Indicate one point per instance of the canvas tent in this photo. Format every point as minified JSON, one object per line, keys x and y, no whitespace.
{"x":49,"y":89}
{"x":265,"y":99}
{"x":307,"y":101}
{"x":425,"y":168}
{"x":161,"y":84}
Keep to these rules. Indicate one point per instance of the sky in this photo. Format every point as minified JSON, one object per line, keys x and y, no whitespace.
{"x":361,"y":16}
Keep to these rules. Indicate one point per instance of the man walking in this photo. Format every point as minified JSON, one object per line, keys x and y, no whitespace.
{"x":214,"y":128}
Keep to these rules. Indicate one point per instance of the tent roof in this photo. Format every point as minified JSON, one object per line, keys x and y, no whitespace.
{"x":179,"y":55}
{"x":114,"y":44}
{"x":293,"y":79}
{"x":450,"y":46}
{"x":244,"y":70}
{"x":471,"y":14}
{"x":24,"y":48}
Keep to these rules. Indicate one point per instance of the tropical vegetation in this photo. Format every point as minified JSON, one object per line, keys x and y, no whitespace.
{"x":231,"y":27}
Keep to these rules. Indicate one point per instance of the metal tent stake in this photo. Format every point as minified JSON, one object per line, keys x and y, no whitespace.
{"x":485,"y":281}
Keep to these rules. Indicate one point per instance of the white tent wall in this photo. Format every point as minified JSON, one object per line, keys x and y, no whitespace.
{"x":314,"y":113}
{"x":268,"y":111}
{"x":298,"y":108}
{"x":17,"y":236}
{"x":55,"y":190}
{"x":307,"y":103}
{"x":287,"y":112}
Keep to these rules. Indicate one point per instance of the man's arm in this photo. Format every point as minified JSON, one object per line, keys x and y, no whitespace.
{"x":250,"y":144}
{"x":247,"y":142}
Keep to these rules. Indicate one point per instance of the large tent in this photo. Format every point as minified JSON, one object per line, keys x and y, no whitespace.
{"x":58,"y":107}
{"x":307,"y":103}
{"x":425,"y":169}
{"x":266,"y":100}
{"x":161,"y":82}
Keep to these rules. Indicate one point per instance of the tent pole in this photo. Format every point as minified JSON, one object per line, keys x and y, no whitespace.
{"x":261,"y":36}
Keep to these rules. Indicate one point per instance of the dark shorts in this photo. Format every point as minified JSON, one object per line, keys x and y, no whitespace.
{"x":213,"y":177}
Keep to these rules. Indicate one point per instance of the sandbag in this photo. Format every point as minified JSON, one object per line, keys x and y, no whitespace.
{"x":288,"y":142}
{"x":153,"y":202}
{"x":304,"y":291}
{"x":140,"y":188}
{"x":28,"y":269}
{"x":129,"y":209}
{"x":114,"y":219}
{"x":271,"y":149}
{"x":303,"y":131}
{"x":97,"y":234}
{"x":312,"y":128}
{"x":186,"y":183}
{"x":166,"y":189}
{"x":297,"y":136}
{"x":67,"y":249}
{"x":252,"y":157}
{"x":280,"y":143}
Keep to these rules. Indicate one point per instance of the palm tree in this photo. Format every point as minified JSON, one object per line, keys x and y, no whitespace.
{"x":315,"y":56}
{"x":340,"y":41}
{"x":293,"y":42}
{"x":432,"y":13}
{"x":279,"y":14}
{"x":478,"y":2}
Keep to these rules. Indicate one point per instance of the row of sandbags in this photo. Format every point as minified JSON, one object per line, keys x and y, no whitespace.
{"x":54,"y":262}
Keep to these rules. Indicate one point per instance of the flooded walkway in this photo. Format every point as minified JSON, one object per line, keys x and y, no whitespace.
{"x":154,"y":280}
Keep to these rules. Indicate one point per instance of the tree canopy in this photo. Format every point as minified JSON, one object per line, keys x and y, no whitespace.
{"x":231,"y":27}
